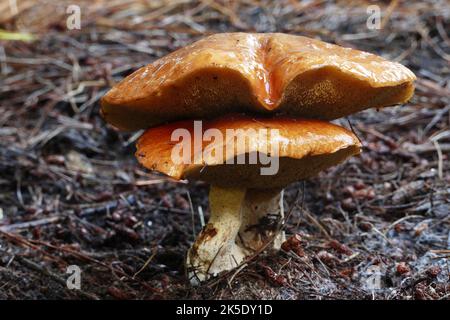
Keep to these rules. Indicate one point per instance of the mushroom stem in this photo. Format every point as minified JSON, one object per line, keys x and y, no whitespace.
{"x":262,"y":214}
{"x":241,"y":222}
{"x":215,"y":249}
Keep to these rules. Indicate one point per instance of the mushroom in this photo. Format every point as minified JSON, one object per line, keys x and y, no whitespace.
{"x":246,"y":206}
{"x":284,"y":84}
{"x":260,"y":74}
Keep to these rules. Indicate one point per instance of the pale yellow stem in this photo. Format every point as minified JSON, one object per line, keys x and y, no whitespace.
{"x":241,"y":222}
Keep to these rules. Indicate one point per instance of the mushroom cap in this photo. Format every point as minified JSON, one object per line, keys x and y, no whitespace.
{"x":262,"y":73}
{"x":303,"y":148}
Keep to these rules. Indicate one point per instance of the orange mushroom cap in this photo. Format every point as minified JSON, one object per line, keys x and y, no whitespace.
{"x":256,"y":73}
{"x":304,"y":148}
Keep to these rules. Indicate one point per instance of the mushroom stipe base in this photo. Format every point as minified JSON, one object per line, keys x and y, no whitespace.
{"x":242,"y":221}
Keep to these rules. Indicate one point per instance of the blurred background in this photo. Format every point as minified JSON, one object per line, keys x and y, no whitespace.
{"x":71,"y":192}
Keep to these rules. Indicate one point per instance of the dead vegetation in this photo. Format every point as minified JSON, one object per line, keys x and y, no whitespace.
{"x":71,"y":192}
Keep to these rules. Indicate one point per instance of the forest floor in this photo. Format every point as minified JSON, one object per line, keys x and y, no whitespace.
{"x":72,"y":193}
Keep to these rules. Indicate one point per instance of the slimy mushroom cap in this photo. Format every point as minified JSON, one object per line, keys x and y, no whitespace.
{"x":256,"y":73}
{"x":303,"y":148}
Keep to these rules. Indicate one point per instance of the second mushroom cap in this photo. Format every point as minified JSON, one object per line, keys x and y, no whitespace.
{"x":302,"y":148}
